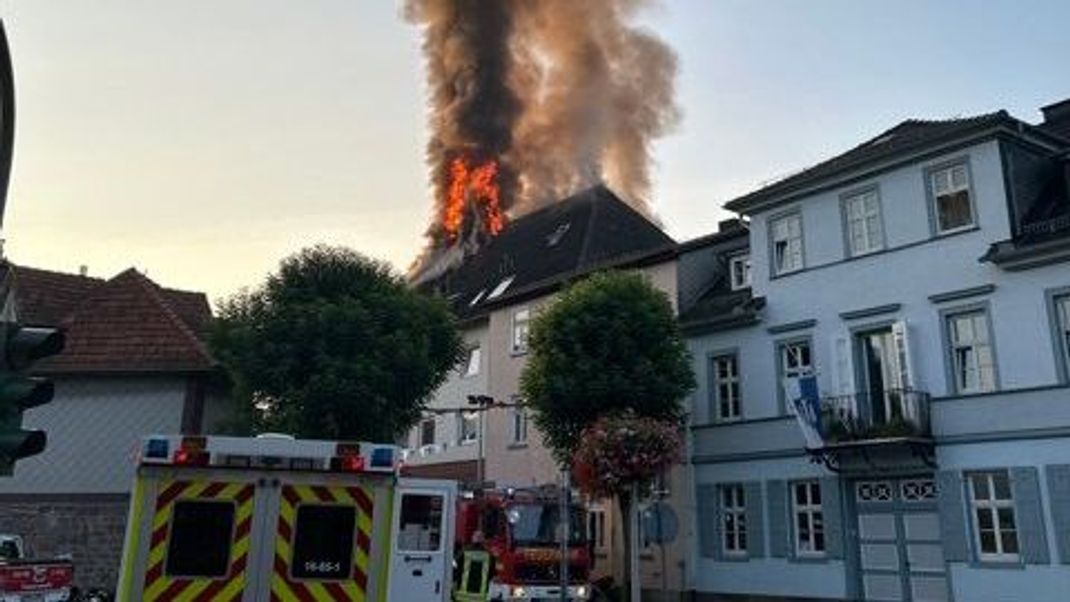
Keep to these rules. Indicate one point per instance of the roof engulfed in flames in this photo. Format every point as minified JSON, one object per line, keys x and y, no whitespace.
{"x":473,"y":193}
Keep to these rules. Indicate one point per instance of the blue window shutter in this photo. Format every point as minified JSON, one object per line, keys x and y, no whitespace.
{"x":707,"y":520}
{"x":952,"y":516}
{"x":832,"y":509}
{"x":1029,"y":512}
{"x":1059,"y":501}
{"x":752,"y":494}
{"x":778,"y":518}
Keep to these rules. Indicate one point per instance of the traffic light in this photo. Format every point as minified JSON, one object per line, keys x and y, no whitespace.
{"x":21,"y":347}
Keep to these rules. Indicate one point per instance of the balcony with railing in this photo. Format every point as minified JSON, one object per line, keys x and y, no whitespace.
{"x":876,"y":430}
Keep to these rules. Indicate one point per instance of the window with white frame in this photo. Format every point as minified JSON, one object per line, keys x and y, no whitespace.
{"x":739,"y":271}
{"x":994,"y":524}
{"x":972,"y":361}
{"x":734,"y":521}
{"x":809,"y":521}
{"x":725,"y":386}
{"x":519,"y":420}
{"x":1062,"y":315}
{"x":521,"y":322}
{"x":597,"y":528}
{"x":862,"y":217}
{"x":787,"y":243}
{"x":953,"y":208}
{"x":469,"y":427}
{"x":475,"y":357}
{"x":796,"y":360}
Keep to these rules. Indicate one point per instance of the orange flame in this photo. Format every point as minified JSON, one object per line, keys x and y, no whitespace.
{"x":473,"y":184}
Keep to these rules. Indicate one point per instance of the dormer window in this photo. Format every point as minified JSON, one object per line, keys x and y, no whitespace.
{"x":498,"y":290}
{"x":558,"y":234}
{"x":739,"y":271}
{"x":477,"y":298}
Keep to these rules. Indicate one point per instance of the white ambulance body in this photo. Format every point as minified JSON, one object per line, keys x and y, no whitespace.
{"x":278,"y":519}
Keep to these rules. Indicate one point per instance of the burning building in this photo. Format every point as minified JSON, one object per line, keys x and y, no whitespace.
{"x":530,"y":102}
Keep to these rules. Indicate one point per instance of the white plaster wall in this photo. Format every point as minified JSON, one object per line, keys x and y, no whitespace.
{"x":94,"y":426}
{"x":453,"y":394}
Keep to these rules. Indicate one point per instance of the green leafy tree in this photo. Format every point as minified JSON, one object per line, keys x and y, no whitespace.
{"x":607,"y":358}
{"x":609,"y":344}
{"x":334,"y":345}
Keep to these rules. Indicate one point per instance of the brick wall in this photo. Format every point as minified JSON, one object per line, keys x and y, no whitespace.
{"x":88,"y":527}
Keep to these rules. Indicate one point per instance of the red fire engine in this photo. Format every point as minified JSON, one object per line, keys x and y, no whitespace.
{"x":508,"y":547}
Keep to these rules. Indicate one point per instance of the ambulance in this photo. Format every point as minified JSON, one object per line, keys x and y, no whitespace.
{"x":275,"y":518}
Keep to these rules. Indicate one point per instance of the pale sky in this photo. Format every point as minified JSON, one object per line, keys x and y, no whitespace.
{"x":203,"y":140}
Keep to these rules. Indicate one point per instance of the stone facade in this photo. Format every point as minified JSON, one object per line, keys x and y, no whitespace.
{"x":90,"y":528}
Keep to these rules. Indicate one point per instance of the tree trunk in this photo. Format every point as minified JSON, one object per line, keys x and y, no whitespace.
{"x":627,"y":502}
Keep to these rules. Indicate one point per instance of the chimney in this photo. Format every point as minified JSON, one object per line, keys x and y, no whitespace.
{"x":1057,"y":118}
{"x":83,"y":270}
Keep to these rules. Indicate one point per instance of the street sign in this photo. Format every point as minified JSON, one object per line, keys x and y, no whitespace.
{"x":660,"y":523}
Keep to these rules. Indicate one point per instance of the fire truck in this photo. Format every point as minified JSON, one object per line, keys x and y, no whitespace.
{"x":280,"y":519}
{"x":508,"y":547}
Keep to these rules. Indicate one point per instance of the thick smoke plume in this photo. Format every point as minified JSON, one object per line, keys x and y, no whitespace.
{"x":546,"y":97}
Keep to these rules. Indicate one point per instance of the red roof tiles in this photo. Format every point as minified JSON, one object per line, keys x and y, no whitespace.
{"x":127,"y":324}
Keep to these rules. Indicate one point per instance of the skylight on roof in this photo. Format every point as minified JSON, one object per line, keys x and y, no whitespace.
{"x":556,"y":236}
{"x":498,"y":290}
{"x":477,"y":298}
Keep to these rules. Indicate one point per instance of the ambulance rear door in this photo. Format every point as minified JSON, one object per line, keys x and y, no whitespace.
{"x":329,"y":537}
{"x":192,"y":534}
{"x":422,"y":556}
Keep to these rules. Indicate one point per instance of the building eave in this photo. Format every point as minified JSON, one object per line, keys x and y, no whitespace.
{"x":776,"y":195}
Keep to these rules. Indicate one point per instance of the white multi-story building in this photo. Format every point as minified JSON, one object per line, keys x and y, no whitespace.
{"x":923,"y":278}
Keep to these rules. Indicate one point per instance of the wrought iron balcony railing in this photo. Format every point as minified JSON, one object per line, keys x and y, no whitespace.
{"x":883,"y":414}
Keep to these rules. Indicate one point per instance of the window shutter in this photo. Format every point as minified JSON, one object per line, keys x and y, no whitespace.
{"x":843,"y":380}
{"x":711,"y":392}
{"x":832,"y":513}
{"x":1029,"y":513}
{"x":1059,"y":498}
{"x":903,"y":361}
{"x":778,"y":518}
{"x":752,"y":493}
{"x":952,"y":516}
{"x":707,"y":520}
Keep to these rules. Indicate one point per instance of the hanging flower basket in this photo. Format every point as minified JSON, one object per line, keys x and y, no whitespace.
{"x":617,"y":451}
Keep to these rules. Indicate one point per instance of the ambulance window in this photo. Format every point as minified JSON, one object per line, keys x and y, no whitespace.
{"x":323,"y":541}
{"x":421,"y":523}
{"x":201,"y":533}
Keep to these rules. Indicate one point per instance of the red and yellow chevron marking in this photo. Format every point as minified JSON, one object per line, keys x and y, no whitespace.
{"x":161,"y":588}
{"x":286,"y":589}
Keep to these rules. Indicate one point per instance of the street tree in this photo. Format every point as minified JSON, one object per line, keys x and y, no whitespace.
{"x":334,"y":345}
{"x":607,"y":375}
{"x":608,"y":344}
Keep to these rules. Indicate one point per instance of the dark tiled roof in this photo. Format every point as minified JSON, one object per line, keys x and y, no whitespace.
{"x":590,"y":230}
{"x":1057,"y":119}
{"x":720,"y":308}
{"x":125,"y":324}
{"x":909,"y":136}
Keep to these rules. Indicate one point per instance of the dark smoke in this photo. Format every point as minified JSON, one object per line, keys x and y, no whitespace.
{"x":473,"y":109}
{"x":563,"y":93}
